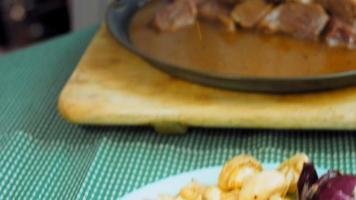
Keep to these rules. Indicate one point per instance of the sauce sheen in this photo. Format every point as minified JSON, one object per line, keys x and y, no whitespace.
{"x":242,"y":53}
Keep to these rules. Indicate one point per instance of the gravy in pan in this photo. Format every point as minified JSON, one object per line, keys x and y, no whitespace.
{"x":247,"y":53}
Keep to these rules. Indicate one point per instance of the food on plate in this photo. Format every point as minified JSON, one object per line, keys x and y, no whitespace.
{"x":192,"y":191}
{"x":238,"y":171}
{"x":292,"y":169}
{"x":176,"y":15}
{"x":243,"y":178}
{"x":345,"y":10}
{"x":332,"y":21}
{"x":300,"y":20}
{"x":215,"y":11}
{"x":248,"y":14}
{"x":224,"y":37}
{"x":331,"y":186}
{"x":264,"y":186}
{"x":339,"y":33}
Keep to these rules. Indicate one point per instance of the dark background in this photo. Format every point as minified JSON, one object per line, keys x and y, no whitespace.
{"x":24,"y":22}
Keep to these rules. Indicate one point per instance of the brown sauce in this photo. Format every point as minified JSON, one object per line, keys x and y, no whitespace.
{"x":245,"y":53}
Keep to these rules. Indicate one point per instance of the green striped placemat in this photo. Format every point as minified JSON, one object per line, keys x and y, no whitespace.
{"x":43,"y":157}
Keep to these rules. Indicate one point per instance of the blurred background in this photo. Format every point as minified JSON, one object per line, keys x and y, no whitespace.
{"x":25,"y":22}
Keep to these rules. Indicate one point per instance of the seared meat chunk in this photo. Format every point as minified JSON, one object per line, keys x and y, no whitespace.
{"x":275,"y":1}
{"x":249,"y":13}
{"x":343,"y":9}
{"x":302,"y":1}
{"x":197,"y":2}
{"x":305,"y":19}
{"x":341,"y":34}
{"x":296,"y":1}
{"x":231,"y":2}
{"x":216,"y":11}
{"x":178,"y":14}
{"x":299,"y":20}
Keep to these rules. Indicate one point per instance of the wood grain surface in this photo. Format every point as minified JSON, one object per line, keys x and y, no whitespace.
{"x":112,"y":86}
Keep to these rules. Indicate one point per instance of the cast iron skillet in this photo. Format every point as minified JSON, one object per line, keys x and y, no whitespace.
{"x":119,"y":15}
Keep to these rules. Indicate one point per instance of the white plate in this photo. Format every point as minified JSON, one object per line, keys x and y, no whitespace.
{"x":172,"y":185}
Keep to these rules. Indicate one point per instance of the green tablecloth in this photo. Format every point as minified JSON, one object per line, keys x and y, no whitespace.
{"x":43,"y":157}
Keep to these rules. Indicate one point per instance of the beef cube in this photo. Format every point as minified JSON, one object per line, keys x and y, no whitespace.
{"x":178,"y":14}
{"x":197,"y":2}
{"x":300,"y":20}
{"x":275,"y":1}
{"x":249,"y":13}
{"x":296,"y":1}
{"x":340,"y":33}
{"x":213,"y":10}
{"x":230,"y":2}
{"x":345,"y":10}
{"x":301,"y":1}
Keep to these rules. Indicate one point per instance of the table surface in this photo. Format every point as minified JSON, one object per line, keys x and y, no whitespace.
{"x":44,"y":157}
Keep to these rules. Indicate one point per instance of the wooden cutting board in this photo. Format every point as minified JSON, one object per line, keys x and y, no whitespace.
{"x":112,"y":86}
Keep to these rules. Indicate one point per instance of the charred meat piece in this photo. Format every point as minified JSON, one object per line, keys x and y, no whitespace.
{"x":340,"y":34}
{"x":214,"y":11}
{"x":301,"y":21}
{"x":343,"y":9}
{"x":249,"y":13}
{"x":178,"y":14}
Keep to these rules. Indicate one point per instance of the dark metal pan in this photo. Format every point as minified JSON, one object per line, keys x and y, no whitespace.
{"x":119,"y":16}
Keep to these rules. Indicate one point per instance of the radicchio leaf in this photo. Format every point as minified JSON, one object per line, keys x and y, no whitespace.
{"x":331,"y":186}
{"x":307,"y":178}
{"x":337,"y":188}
